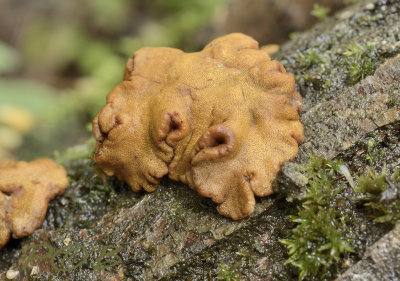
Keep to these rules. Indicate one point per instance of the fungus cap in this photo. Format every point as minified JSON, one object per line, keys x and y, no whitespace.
{"x":25,"y":191}
{"x":222,"y":120}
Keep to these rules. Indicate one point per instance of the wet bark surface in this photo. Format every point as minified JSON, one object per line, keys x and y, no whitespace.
{"x":380,"y":261}
{"x":174,"y":234}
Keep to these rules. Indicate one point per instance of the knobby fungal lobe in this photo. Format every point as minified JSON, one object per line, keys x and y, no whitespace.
{"x":25,"y":191}
{"x":222,"y":120}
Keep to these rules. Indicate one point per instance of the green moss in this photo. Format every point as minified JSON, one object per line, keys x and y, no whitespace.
{"x":77,"y":152}
{"x":314,"y":67}
{"x":327,"y":223}
{"x":372,"y":155}
{"x":381,"y":193}
{"x":309,"y":58}
{"x":393,"y":102}
{"x":335,"y":36}
{"x":228,"y":273}
{"x":320,"y":12}
{"x":294,"y":35}
{"x":247,"y":256}
{"x":361,"y":61}
{"x":321,"y":236}
{"x":376,"y":150}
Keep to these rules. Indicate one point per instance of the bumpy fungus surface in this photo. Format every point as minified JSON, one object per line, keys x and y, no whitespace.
{"x":222,"y":120}
{"x":25,"y":191}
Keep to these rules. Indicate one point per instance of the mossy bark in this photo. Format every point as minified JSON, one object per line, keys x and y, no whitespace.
{"x":174,"y":234}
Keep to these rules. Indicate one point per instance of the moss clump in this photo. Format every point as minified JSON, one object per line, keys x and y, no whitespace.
{"x":310,"y":58}
{"x":75,"y":153}
{"x":393,"y":102}
{"x":381,"y":193}
{"x":320,"y":12}
{"x":361,"y":61}
{"x":375,"y":151}
{"x":321,"y":236}
{"x":315,"y":65}
{"x":228,"y":273}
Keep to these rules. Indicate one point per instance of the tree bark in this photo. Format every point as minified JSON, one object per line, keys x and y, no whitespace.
{"x":174,"y":234}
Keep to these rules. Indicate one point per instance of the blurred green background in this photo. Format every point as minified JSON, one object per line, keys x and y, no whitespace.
{"x":59,"y":59}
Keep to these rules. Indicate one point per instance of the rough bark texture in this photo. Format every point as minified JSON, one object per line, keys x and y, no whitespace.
{"x":174,"y":234}
{"x":380,"y":261}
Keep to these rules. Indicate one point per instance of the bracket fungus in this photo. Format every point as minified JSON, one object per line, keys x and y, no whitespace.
{"x":25,"y":191}
{"x":222,"y":120}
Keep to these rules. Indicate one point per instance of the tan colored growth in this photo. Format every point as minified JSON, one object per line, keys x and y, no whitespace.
{"x":222,"y":120}
{"x":25,"y":191}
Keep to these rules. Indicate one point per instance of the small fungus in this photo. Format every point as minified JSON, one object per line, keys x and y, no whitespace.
{"x":222,"y":120}
{"x":25,"y":191}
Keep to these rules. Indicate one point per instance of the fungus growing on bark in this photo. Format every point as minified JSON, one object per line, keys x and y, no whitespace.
{"x":222,"y":120}
{"x":25,"y":191}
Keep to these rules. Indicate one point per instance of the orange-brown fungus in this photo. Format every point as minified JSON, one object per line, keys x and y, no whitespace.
{"x":25,"y":191}
{"x":222,"y":120}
